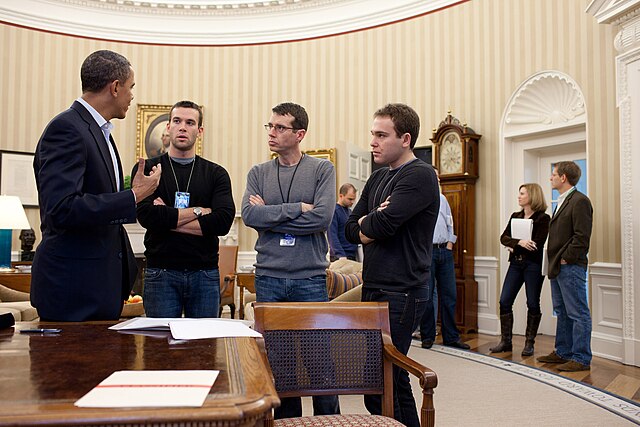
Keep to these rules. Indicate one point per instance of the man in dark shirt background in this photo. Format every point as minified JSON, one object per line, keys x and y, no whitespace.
{"x":339,"y":246}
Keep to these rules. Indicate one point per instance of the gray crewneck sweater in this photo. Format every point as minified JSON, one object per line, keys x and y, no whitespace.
{"x":314,"y":182}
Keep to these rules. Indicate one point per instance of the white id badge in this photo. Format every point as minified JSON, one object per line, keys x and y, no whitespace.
{"x":182,"y":200}
{"x":288,"y":240}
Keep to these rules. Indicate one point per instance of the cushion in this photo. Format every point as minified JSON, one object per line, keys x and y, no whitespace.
{"x":346,"y":266}
{"x":339,"y":283}
{"x":354,"y":420}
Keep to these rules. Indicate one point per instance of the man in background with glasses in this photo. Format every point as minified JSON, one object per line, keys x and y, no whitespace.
{"x":289,"y":201}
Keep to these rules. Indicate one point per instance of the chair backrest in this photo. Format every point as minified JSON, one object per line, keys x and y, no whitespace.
{"x":321,"y":348}
{"x":227,"y":265}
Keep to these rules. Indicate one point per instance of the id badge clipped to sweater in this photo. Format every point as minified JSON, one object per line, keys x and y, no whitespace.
{"x":288,"y":240}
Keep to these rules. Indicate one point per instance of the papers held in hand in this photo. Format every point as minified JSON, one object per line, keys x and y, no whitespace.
{"x":521,"y":228}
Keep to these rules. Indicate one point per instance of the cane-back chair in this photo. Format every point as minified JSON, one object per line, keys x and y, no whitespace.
{"x":338,"y":348}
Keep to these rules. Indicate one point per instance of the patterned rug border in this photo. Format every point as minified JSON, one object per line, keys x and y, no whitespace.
{"x":618,"y":405}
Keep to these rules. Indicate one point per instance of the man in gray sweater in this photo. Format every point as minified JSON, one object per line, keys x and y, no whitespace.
{"x":289,"y":201}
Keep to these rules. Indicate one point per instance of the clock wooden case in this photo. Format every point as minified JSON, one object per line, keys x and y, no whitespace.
{"x":456,"y":157}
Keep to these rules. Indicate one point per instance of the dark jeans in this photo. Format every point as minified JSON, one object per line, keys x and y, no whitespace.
{"x":444,"y":277}
{"x":167,"y":293}
{"x":405,"y":312}
{"x":527,"y":272}
{"x":276,"y":289}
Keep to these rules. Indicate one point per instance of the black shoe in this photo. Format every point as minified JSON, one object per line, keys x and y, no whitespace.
{"x":427,"y":344}
{"x":458,"y":344}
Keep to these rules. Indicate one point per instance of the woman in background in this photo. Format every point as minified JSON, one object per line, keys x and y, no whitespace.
{"x":525,"y":266}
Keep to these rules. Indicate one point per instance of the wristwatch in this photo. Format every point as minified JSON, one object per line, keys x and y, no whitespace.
{"x":197,"y":212}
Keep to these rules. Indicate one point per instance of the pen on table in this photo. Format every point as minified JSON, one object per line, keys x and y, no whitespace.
{"x":40,"y":331}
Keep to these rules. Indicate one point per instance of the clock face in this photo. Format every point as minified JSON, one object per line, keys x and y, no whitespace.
{"x":451,"y":154}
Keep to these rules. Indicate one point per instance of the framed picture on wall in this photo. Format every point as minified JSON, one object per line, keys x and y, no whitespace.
{"x":354,"y":166}
{"x":151,"y":123}
{"x":17,"y":177}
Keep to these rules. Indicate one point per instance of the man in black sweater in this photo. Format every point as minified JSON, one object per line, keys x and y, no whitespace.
{"x":191,"y":207}
{"x":394,"y":220}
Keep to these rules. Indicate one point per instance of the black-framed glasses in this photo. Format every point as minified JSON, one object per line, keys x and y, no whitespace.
{"x":279,"y":128}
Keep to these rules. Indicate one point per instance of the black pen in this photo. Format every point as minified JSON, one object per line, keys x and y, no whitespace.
{"x":40,"y":331}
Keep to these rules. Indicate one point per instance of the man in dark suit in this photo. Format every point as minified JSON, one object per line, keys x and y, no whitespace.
{"x":568,"y":245}
{"x":84,"y":267}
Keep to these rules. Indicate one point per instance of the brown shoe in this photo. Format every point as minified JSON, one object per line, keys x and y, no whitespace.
{"x":551,"y":358}
{"x":573,"y":366}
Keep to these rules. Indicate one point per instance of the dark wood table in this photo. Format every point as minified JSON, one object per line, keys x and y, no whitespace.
{"x":41,"y":376}
{"x":16,"y":280}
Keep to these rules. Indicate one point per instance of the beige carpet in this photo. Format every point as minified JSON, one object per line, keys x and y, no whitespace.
{"x":470,"y":393}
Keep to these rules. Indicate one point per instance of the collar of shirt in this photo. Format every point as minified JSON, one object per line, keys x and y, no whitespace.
{"x":101,"y":121}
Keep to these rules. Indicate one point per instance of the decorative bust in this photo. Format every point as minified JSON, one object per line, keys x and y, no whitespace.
{"x":28,"y":238}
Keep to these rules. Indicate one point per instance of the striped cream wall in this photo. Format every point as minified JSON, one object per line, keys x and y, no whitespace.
{"x":468,"y":58}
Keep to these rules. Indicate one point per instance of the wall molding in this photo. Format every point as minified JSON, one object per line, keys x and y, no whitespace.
{"x":607,"y":310}
{"x":486,"y":274}
{"x":210,"y":22}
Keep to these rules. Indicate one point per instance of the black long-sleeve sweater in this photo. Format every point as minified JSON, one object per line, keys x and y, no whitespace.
{"x":210,"y":187}
{"x":400,"y":257}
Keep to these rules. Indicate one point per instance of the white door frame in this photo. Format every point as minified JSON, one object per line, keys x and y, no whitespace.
{"x":544,"y":117}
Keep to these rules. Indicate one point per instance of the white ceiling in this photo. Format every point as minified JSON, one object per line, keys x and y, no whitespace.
{"x":210,"y":22}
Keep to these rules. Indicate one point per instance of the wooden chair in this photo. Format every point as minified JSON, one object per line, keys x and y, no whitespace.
{"x":227,"y":264}
{"x":336,"y":348}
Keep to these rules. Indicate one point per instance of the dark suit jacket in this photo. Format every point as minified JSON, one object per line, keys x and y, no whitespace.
{"x":84,"y":267}
{"x":570,"y":232}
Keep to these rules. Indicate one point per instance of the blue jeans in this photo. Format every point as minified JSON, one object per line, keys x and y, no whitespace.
{"x":443,"y":276}
{"x":405,"y":312}
{"x":167,"y":293}
{"x":313,"y":289}
{"x":573,"y":329}
{"x":529,"y":273}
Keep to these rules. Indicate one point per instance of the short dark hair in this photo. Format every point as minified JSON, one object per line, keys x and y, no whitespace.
{"x":300,"y":118}
{"x":344,"y":188}
{"x":405,"y":120}
{"x":101,"y":68}
{"x":571,"y":170}
{"x":187,"y":104}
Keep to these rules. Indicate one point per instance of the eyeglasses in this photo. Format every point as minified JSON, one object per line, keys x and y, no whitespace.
{"x":279,"y":128}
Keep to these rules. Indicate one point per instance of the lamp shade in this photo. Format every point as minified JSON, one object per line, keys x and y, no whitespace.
{"x":12,"y":215}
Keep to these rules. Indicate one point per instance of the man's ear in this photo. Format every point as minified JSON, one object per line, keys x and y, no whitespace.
{"x":406,"y":140}
{"x":300,"y":133}
{"x":113,"y":88}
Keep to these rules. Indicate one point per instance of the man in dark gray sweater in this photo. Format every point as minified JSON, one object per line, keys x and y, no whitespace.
{"x":289,"y":202}
{"x":394,"y":220}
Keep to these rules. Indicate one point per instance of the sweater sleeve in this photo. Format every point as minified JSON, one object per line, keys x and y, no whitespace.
{"x":412,"y":193}
{"x":223,"y":209}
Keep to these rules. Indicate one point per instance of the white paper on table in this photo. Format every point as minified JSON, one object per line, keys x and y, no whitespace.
{"x":161,"y":323}
{"x":194,"y":329}
{"x":521,"y":228}
{"x":127,"y":389}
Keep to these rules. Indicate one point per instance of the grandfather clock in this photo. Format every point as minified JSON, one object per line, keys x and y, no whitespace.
{"x":456,"y":157}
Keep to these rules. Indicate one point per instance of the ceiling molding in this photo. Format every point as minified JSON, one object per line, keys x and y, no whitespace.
{"x":210,"y":22}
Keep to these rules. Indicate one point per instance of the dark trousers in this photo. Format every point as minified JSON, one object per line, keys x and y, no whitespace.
{"x":522,"y":272}
{"x":405,"y":312}
{"x":443,"y":277}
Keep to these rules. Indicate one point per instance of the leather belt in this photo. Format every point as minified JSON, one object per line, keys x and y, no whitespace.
{"x":441,"y":245}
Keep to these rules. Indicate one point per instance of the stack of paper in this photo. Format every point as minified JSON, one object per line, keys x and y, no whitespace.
{"x":190,"y":329}
{"x":521,"y":228}
{"x":126,"y":389}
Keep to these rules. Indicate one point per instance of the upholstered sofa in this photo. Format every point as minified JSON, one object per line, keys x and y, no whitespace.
{"x":17,"y":303}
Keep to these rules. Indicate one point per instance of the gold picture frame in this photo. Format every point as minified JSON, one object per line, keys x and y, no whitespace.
{"x":327,"y":154}
{"x":151,"y":121}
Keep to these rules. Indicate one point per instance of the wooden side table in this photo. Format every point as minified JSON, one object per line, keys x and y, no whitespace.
{"x":16,"y":281}
{"x":245,"y":281}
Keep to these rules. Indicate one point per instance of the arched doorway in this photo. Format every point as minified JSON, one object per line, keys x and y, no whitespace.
{"x":543,"y":123}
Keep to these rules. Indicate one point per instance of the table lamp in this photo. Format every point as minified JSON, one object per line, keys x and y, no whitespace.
{"x":12,"y":217}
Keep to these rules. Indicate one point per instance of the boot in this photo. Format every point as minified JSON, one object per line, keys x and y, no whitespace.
{"x":506,"y":327}
{"x":533,"y":321}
